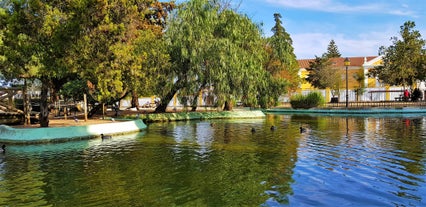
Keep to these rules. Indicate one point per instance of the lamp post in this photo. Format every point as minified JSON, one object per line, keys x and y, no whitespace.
{"x":347,"y":63}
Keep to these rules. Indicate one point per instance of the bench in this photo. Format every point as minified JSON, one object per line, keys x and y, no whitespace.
{"x":402,"y":98}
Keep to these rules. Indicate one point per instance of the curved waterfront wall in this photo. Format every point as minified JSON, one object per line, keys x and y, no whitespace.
{"x":59,"y":134}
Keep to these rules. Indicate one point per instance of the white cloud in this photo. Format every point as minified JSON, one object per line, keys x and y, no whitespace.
{"x":335,"y":6}
{"x":307,"y":45}
{"x":301,"y":4}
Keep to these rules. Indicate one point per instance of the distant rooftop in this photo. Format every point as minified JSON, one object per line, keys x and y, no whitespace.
{"x":338,"y":62}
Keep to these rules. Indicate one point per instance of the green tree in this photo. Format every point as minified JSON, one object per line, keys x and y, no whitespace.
{"x":102,"y":42}
{"x":212,"y":46}
{"x":282,"y":60}
{"x":39,"y":36}
{"x":121,"y":50}
{"x":359,"y":77}
{"x":404,"y":60}
{"x":20,"y":53}
{"x":323,"y":75}
{"x":332,"y":50}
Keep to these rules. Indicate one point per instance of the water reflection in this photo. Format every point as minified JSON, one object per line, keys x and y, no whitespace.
{"x":380,"y":160}
{"x":358,"y":161}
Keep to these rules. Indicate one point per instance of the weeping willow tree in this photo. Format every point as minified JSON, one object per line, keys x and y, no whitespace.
{"x":212,"y":46}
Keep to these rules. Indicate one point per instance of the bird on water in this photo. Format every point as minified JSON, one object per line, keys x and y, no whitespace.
{"x":253,"y":130}
{"x":106,"y":136}
{"x":3,"y":148}
{"x":302,"y":130}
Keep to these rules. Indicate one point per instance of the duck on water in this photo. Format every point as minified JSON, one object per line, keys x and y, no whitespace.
{"x":103,"y":136}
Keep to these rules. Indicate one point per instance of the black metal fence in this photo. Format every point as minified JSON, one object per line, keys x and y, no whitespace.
{"x":382,"y":104}
{"x":372,"y":97}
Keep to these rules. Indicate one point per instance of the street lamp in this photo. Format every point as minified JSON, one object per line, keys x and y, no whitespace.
{"x":347,"y":63}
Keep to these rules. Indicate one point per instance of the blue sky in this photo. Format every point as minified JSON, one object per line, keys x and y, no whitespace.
{"x":359,"y":27}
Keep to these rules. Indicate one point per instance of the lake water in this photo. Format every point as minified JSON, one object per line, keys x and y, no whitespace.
{"x":337,"y":161}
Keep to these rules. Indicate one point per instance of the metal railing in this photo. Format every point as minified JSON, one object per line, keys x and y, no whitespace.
{"x":381,"y":104}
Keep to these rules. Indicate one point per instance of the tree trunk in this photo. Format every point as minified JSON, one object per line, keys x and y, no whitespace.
{"x":168,"y":97}
{"x":228,"y":106}
{"x":161,"y":108}
{"x":94,"y":110}
{"x":44,"y":106}
{"x":26,"y":104}
{"x":135,"y":100}
{"x":195,"y":101}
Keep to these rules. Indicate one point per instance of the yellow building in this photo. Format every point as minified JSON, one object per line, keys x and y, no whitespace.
{"x":358,"y":65}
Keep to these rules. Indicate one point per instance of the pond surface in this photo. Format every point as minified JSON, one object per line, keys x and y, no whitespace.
{"x":337,"y":161}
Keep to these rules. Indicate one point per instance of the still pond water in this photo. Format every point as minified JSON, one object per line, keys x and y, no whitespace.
{"x":337,"y":161}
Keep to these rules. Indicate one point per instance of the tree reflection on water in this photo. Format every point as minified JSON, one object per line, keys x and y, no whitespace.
{"x":377,"y":161}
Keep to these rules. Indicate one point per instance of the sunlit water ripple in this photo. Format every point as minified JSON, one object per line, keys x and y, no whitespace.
{"x":338,"y":161}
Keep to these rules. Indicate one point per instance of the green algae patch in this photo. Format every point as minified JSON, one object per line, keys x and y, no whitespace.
{"x":183,"y":116}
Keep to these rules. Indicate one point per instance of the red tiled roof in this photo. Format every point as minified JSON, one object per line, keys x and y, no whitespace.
{"x":338,"y":62}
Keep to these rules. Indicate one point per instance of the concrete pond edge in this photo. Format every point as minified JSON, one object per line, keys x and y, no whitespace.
{"x":134,"y":123}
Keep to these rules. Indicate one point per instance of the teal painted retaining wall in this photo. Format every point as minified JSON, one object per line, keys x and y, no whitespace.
{"x":60,"y":134}
{"x":366,"y":111}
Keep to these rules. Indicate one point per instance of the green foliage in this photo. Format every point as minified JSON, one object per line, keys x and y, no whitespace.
{"x":281,"y":60}
{"x":19,"y":49}
{"x":271,"y":92}
{"x":322,"y":74}
{"x":121,"y":47}
{"x":359,"y":77}
{"x":332,"y":50}
{"x":404,"y":61}
{"x":212,"y":46}
{"x":117,"y":47}
{"x":74,"y":90}
{"x":313,"y":99}
{"x":115,"y":44}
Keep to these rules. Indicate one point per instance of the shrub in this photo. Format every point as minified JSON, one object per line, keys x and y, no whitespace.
{"x":313,"y":99}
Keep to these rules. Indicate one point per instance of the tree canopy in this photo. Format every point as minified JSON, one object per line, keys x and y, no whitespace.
{"x":212,"y":46}
{"x":322,"y":74}
{"x":332,"y":50}
{"x":113,"y":48}
{"x":120,"y":49}
{"x":404,"y":60}
{"x":115,"y":45}
{"x":281,"y":59}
